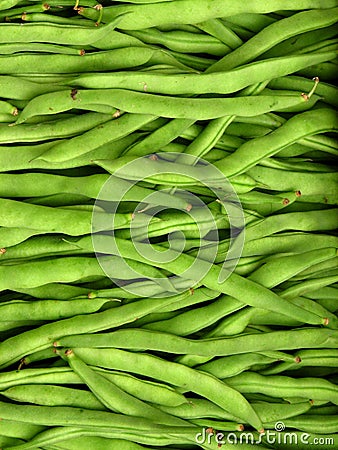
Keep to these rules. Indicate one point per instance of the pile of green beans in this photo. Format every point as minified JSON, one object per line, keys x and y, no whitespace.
{"x":168,"y":244}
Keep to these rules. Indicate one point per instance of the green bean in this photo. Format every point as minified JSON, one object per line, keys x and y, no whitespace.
{"x":188,"y":11}
{"x":252,"y":21}
{"x":37,"y":184}
{"x":56,"y":291}
{"x":323,"y":358}
{"x":217,"y":28}
{"x":52,"y":129}
{"x":39,"y":246}
{"x":326,"y":91}
{"x":48,"y":309}
{"x":160,"y":137}
{"x":266,"y":204}
{"x":272,"y":35}
{"x":8,"y":442}
{"x":41,"y":338}
{"x":95,"y":442}
{"x":119,"y":58}
{"x":221,"y":83}
{"x":51,"y":395}
{"x":230,"y":366}
{"x":300,"y":42}
{"x":196,"y":108}
{"x":55,"y":220}
{"x":11,"y":428}
{"x":169,"y":436}
{"x":178,"y":375}
{"x":325,"y":71}
{"x":36,"y":379}
{"x":308,"y":286}
{"x":189,"y":322}
{"x":182,"y":41}
{"x":209,"y":347}
{"x":308,"y":183}
{"x":235,"y":285}
{"x":101,"y":135}
{"x":10,"y":49}
{"x":282,"y":386}
{"x":70,"y":416}
{"x":280,"y":269}
{"x":263,"y":147}
{"x":18,"y":88}
{"x":25,"y":157}
{"x":302,"y":221}
{"x":113,"y":397}
{"x":320,"y":266}
{"x":313,"y":424}
{"x":53,"y":33}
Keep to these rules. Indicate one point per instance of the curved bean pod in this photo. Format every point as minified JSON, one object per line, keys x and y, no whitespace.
{"x":115,"y":398}
{"x":298,"y":127}
{"x":183,"y":41}
{"x":176,"y":374}
{"x":272,"y":35}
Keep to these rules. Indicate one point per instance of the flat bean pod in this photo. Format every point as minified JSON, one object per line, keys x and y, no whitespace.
{"x":194,"y":108}
{"x":192,"y":11}
{"x":48,"y":309}
{"x":210,"y":347}
{"x":177,"y":375}
{"x":221,"y":83}
{"x":38,"y":184}
{"x":53,"y":220}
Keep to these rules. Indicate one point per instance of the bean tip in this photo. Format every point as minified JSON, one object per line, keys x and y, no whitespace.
{"x":2,"y":251}
{"x":326,"y":321}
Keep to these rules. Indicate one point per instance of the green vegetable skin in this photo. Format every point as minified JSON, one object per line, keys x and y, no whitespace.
{"x":168,"y":248}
